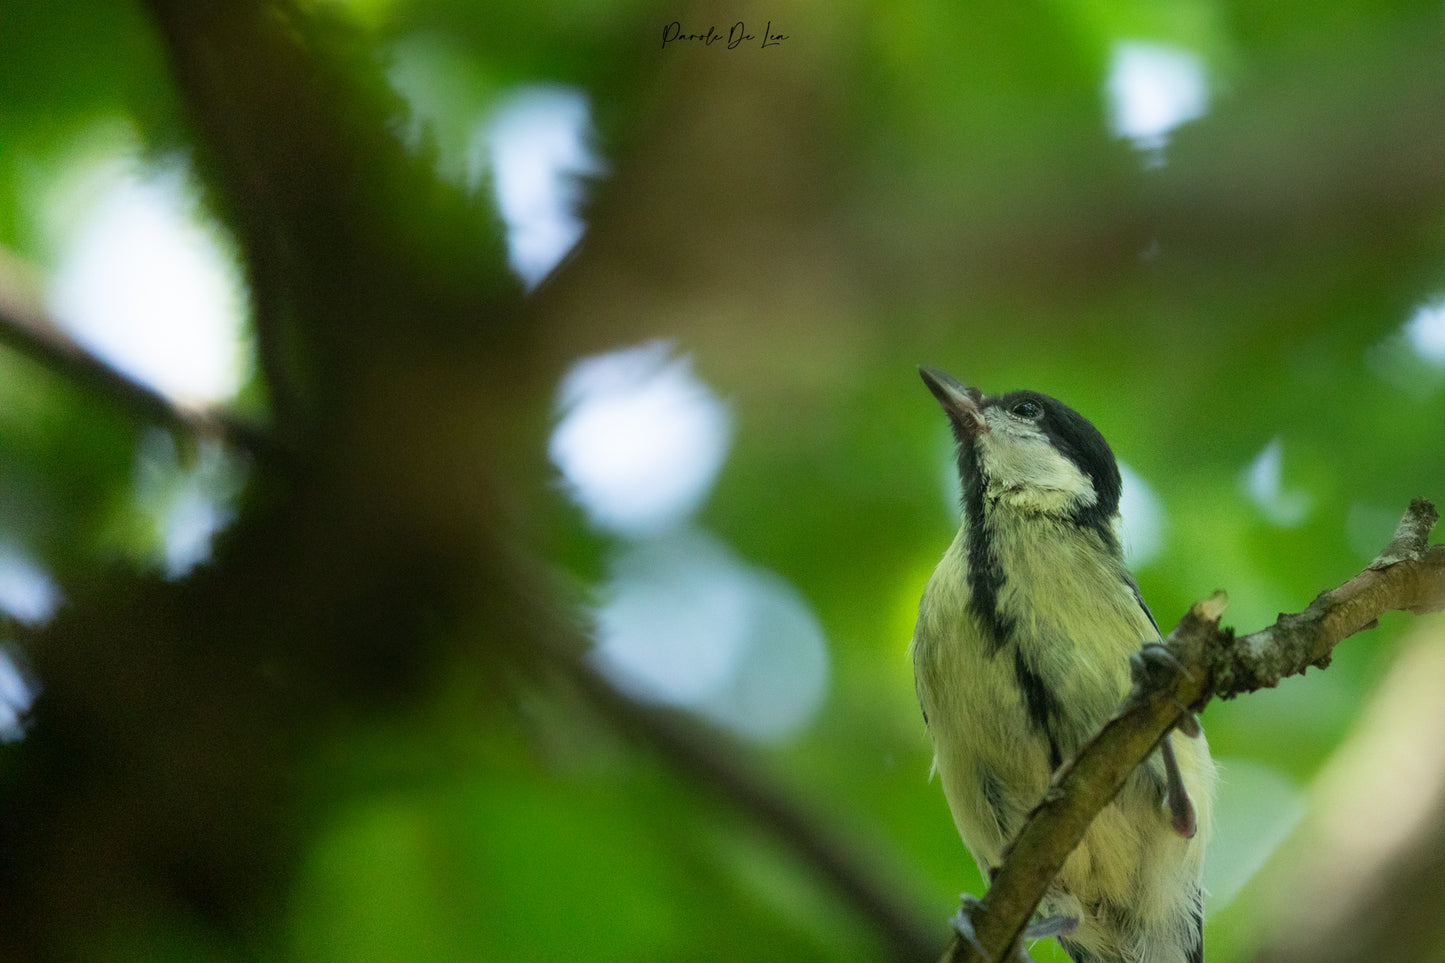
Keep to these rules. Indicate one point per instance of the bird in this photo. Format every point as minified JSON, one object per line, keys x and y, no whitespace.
{"x":1021,"y":653}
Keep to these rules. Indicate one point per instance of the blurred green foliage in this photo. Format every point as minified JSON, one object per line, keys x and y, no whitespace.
{"x":898,"y":183}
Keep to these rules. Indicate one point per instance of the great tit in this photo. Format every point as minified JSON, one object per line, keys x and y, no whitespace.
{"x":1022,"y":652}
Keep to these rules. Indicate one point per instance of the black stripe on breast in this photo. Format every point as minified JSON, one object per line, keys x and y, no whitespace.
{"x":1041,"y":705}
{"x":985,"y":575}
{"x":993,"y":797}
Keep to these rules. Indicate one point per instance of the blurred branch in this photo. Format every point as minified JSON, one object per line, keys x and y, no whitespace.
{"x":360,"y":261}
{"x":243,"y":135}
{"x":704,"y":761}
{"x":1361,"y":878}
{"x":1408,"y":576}
{"x":27,"y":328}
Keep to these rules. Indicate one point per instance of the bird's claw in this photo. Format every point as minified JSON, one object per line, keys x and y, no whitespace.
{"x":1154,"y":669}
{"x":1043,"y":927}
{"x":1039,"y":928}
{"x":963,"y":920}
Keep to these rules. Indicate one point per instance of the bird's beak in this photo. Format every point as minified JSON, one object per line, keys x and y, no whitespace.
{"x":959,"y":401}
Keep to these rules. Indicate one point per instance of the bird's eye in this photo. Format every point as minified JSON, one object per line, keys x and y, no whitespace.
{"x":1028,"y":409}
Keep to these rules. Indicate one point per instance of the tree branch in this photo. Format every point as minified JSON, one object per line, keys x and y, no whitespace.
{"x":1408,"y":576}
{"x":26,"y":328}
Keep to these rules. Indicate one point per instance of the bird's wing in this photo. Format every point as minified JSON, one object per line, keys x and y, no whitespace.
{"x":1134,"y":587}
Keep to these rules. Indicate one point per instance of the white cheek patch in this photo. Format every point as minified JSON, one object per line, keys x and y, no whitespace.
{"x":1025,"y":470}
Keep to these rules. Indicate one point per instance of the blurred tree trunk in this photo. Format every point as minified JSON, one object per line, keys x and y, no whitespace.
{"x":379,"y":545}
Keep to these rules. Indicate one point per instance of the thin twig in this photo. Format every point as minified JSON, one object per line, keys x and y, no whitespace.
{"x":26,"y":328}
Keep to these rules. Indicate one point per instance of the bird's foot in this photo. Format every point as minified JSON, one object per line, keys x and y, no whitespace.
{"x":1041,"y":927}
{"x":963,"y":920}
{"x":1154,"y":668}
